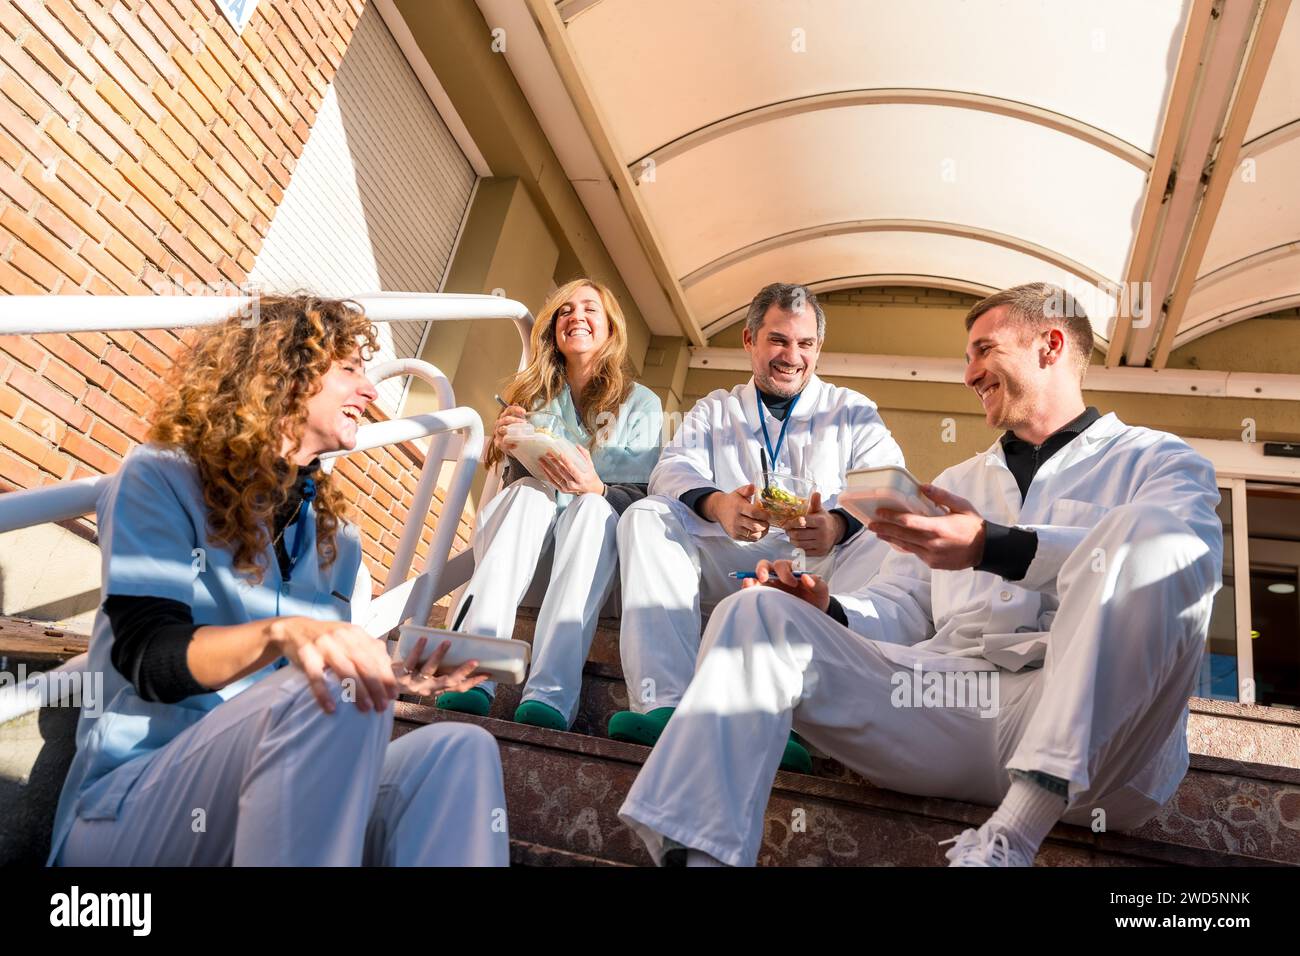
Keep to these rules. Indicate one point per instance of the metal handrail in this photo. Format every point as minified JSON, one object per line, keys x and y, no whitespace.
{"x":25,"y":314}
{"x":61,"y":502}
{"x":438,"y":452}
{"x":411,"y":600}
{"x":23,"y":509}
{"x":424,"y":591}
{"x":39,"y":314}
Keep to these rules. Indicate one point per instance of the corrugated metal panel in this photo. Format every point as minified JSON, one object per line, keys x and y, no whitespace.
{"x":377,"y":198}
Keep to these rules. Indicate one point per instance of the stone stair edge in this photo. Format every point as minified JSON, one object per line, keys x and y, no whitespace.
{"x":858,"y":797}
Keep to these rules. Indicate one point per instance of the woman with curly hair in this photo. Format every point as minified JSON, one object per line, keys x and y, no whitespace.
{"x":558,"y":526}
{"x":245,"y":716}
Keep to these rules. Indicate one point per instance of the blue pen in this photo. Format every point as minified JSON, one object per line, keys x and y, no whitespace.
{"x":743,"y":575}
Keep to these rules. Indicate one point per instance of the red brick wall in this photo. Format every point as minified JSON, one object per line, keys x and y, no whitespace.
{"x":145,"y":147}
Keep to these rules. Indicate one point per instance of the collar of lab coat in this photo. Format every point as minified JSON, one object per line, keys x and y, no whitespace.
{"x":808,"y":399}
{"x":1104,"y":428}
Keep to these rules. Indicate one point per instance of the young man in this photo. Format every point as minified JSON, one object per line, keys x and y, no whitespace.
{"x":704,"y":521}
{"x":1074,"y":577}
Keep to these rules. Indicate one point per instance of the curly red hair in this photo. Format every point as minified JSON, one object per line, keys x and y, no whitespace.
{"x":236,"y":394}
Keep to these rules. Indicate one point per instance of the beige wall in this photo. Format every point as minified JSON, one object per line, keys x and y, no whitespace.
{"x":1267,"y":344}
{"x":665,"y":371}
{"x":939,"y":424}
{"x":890,"y":320}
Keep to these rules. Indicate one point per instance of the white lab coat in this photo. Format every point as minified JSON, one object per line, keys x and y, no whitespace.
{"x":832,"y":431}
{"x":976,"y":614}
{"x":676,"y":564}
{"x":1115,"y":607}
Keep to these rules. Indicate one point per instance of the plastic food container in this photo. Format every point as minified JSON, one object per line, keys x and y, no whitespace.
{"x":785,"y":497}
{"x":888,"y":486}
{"x":542,"y":433}
{"x":505,"y":662}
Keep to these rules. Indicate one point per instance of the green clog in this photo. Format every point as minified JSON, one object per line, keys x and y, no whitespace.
{"x":537,"y":714}
{"x":637,"y":728}
{"x":474,"y":701}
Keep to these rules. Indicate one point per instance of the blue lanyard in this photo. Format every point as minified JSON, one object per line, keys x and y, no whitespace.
{"x":299,"y":546}
{"x":780,"y":439}
{"x":300,"y":531}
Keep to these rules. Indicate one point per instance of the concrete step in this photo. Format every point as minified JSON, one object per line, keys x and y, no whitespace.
{"x":604,"y":645}
{"x":36,"y":646}
{"x":604,"y":692}
{"x":563,"y":790}
{"x":1241,"y":796}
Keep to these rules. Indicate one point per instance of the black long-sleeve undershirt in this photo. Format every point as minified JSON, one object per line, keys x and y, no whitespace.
{"x":152,"y":635}
{"x":1008,"y":550}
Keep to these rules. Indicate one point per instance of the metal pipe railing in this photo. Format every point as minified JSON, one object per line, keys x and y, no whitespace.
{"x":23,"y":509}
{"x":424,"y":591}
{"x":439,"y":447}
{"x":61,"y":502}
{"x":39,"y":314}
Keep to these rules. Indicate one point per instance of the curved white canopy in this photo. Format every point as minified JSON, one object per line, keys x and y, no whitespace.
{"x":1252,"y":263}
{"x":978,"y":143}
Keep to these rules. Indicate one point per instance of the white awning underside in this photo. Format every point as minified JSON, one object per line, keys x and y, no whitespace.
{"x":970,"y":145}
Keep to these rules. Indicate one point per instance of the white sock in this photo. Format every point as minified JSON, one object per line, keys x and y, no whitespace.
{"x":1026,"y":815}
{"x":700,"y":858}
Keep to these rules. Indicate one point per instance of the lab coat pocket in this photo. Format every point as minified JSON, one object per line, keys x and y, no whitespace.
{"x":1068,"y":513}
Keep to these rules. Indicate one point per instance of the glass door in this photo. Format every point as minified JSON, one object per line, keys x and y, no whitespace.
{"x":1273,"y":524}
{"x":1227,"y":671}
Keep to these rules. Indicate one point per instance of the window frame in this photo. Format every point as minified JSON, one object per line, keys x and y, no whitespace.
{"x":1237,"y":465}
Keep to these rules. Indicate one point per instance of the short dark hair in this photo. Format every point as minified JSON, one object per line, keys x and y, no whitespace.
{"x":1039,"y":304}
{"x":790,"y":297}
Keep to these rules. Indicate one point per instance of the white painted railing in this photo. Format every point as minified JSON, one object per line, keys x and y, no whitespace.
{"x":456,"y":433}
{"x":32,"y":314}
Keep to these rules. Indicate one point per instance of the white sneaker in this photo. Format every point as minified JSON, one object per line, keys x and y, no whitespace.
{"x":977,"y":848}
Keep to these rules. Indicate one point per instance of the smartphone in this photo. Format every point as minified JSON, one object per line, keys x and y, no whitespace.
{"x":888,"y":486}
{"x":505,"y":662}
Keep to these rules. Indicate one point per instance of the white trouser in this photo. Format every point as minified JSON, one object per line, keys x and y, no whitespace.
{"x":1109,"y":702}
{"x":575,"y":549}
{"x":671,"y":578}
{"x":269,"y":779}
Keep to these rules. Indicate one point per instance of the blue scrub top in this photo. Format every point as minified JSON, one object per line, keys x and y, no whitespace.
{"x":154,"y":543}
{"x":632,"y":448}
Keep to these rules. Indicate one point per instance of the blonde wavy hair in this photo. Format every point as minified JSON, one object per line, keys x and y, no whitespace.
{"x":544,"y":377}
{"x":233,"y":397}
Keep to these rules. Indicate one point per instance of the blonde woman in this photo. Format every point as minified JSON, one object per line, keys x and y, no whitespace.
{"x":579,"y":372}
{"x":235,"y":679}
